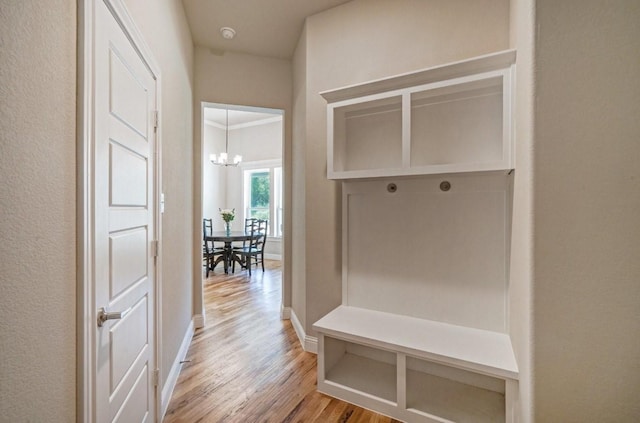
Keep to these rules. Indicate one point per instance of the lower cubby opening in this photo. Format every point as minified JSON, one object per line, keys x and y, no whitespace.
{"x":370,"y":371}
{"x":453,"y":394}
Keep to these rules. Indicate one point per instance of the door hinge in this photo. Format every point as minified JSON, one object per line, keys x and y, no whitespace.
{"x":155,"y":246}
{"x":155,"y":120}
{"x":156,"y":377}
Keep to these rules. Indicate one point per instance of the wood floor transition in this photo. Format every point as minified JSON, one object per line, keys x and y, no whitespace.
{"x":246,"y":365}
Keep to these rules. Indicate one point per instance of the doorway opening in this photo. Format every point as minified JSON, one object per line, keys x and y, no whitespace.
{"x":242,"y":172}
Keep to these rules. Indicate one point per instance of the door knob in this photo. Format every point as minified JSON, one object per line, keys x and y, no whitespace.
{"x":104,"y":315}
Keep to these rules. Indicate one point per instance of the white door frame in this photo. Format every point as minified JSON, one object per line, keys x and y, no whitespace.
{"x":198,"y":291}
{"x":86,"y":307}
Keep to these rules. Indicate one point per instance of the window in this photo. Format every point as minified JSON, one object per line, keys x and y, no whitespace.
{"x":259,"y":194}
{"x":263,"y":194}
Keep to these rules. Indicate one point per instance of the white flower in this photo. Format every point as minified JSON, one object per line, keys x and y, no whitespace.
{"x":227,"y":215}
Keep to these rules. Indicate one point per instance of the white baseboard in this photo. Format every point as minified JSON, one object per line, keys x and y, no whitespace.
{"x":309,"y":343}
{"x":285,"y":312}
{"x":273,"y":257}
{"x":198,"y":321}
{"x":172,"y":379}
{"x":297,"y":327}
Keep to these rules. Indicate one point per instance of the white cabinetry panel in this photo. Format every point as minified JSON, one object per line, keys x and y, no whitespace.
{"x":426,"y":161}
{"x":426,"y":253}
{"x":448,"y":119}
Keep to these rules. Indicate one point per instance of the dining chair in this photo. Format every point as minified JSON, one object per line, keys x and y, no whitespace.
{"x":207,"y":228}
{"x":249,"y":223}
{"x":210,"y":252}
{"x":253,"y":250}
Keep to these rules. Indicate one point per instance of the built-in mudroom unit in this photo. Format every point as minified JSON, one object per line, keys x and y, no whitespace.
{"x":426,"y":164}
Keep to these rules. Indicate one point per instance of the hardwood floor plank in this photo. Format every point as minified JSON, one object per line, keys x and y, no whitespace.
{"x":246,"y":365}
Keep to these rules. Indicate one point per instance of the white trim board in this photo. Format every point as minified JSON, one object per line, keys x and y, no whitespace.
{"x":309,"y":343}
{"x":172,"y":378}
{"x":458,"y":69}
{"x":259,"y":164}
{"x":198,"y":321}
{"x":285,"y":312}
{"x":246,"y":124}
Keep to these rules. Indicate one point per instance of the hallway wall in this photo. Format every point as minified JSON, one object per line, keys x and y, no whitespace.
{"x":38,"y":43}
{"x":38,"y":203}
{"x":586,"y":164}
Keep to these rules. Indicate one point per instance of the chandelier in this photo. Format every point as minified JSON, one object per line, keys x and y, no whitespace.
{"x":222,"y":159}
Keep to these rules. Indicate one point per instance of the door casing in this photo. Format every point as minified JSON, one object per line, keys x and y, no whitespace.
{"x":86,"y":310}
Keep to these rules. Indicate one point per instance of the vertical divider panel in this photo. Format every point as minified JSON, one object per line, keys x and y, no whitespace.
{"x":507,"y":114}
{"x":321,"y":359}
{"x":406,"y":130}
{"x":345,"y":242}
{"x":511,"y":393}
{"x":330,"y":140}
{"x":401,"y":383}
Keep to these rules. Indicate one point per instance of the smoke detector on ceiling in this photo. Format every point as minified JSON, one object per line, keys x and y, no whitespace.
{"x":227,"y":33}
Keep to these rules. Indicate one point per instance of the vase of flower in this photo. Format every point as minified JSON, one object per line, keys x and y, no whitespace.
{"x":228,"y":216}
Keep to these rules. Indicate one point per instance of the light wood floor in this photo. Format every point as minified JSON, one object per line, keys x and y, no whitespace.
{"x":246,"y":365}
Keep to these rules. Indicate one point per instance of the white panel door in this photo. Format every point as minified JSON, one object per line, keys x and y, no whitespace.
{"x":125,"y":143}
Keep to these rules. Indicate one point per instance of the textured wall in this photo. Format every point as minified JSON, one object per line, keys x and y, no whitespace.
{"x":164,"y":28}
{"x":357,"y":42}
{"x":37,"y":199}
{"x":586,"y":293}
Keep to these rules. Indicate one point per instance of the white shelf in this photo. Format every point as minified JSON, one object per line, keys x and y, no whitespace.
{"x":446,"y":119}
{"x":429,"y":395}
{"x":466,"y":348}
{"x":372,"y":126}
{"x":366,"y":375}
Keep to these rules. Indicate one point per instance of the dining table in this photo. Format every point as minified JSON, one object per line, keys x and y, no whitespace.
{"x":228,"y":238}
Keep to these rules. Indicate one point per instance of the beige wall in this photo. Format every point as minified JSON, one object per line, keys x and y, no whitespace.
{"x":38,"y":130}
{"x":164,"y":28}
{"x":214,"y":178}
{"x":357,"y":42}
{"x":245,"y":80}
{"x":37,"y":199}
{"x":586,"y":294}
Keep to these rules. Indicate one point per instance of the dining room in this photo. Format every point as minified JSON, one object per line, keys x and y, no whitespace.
{"x":242,"y":184}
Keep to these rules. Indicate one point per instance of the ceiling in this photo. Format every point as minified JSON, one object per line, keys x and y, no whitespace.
{"x":263,"y":27}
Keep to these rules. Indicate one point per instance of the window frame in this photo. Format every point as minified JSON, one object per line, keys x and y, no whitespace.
{"x":275,"y":193}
